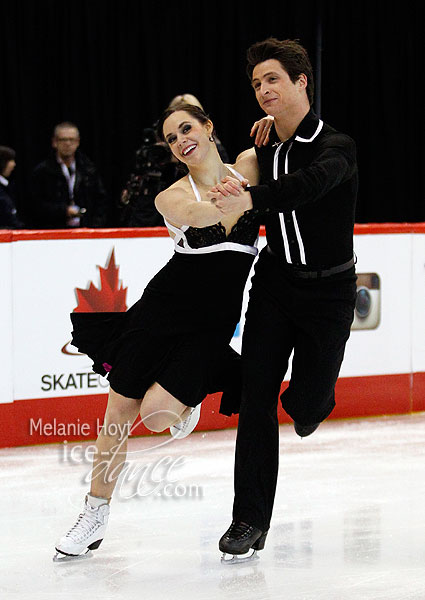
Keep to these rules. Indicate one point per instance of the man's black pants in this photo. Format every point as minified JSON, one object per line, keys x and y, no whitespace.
{"x":311,"y":317}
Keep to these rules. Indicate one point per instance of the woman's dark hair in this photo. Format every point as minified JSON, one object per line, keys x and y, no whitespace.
{"x":6,"y":154}
{"x":292,"y":56}
{"x":191,"y":109}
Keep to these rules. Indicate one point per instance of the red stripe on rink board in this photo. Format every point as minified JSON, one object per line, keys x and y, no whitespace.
{"x":7,"y":235}
{"x":418,"y":392}
{"x":355,"y":397}
{"x":379,"y":228}
{"x":373,"y":395}
{"x":85,"y":234}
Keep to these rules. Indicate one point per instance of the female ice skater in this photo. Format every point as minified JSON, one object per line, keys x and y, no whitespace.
{"x":171,"y":348}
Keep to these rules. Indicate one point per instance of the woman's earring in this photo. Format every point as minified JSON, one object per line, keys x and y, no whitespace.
{"x":211,"y":139}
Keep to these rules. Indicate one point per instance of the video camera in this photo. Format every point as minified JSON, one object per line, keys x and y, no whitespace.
{"x":152,"y":159}
{"x":152,"y":152}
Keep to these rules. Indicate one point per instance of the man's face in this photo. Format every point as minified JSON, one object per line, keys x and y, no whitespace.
{"x":274,"y":89}
{"x":66,"y":142}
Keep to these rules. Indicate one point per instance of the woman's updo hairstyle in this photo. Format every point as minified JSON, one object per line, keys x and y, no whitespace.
{"x":191,"y":109}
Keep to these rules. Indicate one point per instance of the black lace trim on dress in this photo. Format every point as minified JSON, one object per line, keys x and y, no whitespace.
{"x":244,"y":231}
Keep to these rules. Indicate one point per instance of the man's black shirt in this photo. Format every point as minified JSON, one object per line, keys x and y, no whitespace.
{"x":308,"y":191}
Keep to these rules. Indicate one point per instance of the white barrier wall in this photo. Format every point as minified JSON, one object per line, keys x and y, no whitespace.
{"x":42,"y":275}
{"x":6,"y":312}
{"x":46,"y":275}
{"x":386,"y":348}
{"x":417,"y":315}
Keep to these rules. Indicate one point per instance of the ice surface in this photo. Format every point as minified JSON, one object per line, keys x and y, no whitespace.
{"x":349,"y":519}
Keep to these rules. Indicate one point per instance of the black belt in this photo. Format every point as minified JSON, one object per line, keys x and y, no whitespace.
{"x":316,"y":274}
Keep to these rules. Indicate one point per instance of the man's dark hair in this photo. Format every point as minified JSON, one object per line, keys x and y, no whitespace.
{"x":6,"y":154}
{"x":191,"y":109}
{"x":290,"y":53}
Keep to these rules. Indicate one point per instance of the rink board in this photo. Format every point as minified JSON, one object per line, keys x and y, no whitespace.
{"x":48,"y":392}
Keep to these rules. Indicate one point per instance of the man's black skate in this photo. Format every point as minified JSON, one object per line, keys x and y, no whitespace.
{"x":305,"y":430}
{"x":239,"y":539}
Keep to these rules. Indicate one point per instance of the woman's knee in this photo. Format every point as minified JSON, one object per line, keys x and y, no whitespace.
{"x":159,"y":411}
{"x":116,"y":422}
{"x":120,"y":412}
{"x":157,"y":419}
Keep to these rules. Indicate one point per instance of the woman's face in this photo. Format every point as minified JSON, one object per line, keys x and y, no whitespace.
{"x":187,"y":137}
{"x":10,"y":165}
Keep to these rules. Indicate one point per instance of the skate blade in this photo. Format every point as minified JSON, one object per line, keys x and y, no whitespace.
{"x":239,"y":558}
{"x":64,"y":558}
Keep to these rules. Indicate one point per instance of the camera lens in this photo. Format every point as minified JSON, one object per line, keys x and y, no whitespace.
{"x":363,"y":302}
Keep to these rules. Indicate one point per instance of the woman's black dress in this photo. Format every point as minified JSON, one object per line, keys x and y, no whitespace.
{"x":178,"y":333}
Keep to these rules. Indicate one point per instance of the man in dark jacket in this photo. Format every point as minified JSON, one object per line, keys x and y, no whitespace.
{"x":304,"y":287}
{"x":66,"y":188}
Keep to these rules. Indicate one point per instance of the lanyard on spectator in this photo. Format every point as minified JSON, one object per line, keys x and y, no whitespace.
{"x":69,"y":173}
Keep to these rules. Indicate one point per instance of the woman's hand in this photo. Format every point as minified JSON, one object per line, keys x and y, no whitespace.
{"x":261,"y":130}
{"x":229,"y":186}
{"x":230,"y":196}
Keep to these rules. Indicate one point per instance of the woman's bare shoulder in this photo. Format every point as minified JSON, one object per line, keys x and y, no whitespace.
{"x":179,"y":188}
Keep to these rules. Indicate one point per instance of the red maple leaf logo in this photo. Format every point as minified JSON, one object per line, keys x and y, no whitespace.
{"x":109,"y":298}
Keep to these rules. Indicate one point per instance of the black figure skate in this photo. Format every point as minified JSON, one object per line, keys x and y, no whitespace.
{"x":242,"y":541}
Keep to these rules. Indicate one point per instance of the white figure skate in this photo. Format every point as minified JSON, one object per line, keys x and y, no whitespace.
{"x":182,"y":429}
{"x":87,"y":533}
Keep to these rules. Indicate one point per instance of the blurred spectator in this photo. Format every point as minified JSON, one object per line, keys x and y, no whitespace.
{"x":66,"y":188}
{"x":9,"y":218}
{"x":155,"y":169}
{"x":187,"y":98}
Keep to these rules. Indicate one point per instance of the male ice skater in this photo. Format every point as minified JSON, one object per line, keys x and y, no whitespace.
{"x":303,"y":290}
